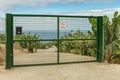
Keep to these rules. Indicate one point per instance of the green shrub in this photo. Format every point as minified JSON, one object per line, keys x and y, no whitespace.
{"x":111,"y":34}
{"x":2,"y":38}
{"x":81,"y":47}
{"x":27,"y":41}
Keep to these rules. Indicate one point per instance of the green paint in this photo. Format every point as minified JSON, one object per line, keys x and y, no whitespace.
{"x":9,"y":41}
{"x":9,"y":37}
{"x":100,"y":39}
{"x":58,"y":40}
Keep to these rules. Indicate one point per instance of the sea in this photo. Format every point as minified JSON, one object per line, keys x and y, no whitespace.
{"x":45,"y":34}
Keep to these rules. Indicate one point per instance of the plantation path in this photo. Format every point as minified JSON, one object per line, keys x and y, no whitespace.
{"x":44,"y":56}
{"x":79,"y":71}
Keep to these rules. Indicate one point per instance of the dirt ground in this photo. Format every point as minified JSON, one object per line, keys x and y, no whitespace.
{"x":78,"y":71}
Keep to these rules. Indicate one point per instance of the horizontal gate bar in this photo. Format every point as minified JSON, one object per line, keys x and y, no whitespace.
{"x":37,"y":15}
{"x":26,"y":65}
{"x":52,"y":40}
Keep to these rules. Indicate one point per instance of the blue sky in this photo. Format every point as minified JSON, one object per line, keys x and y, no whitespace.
{"x":71,"y":7}
{"x":66,"y":7}
{"x":50,"y":23}
{"x":58,"y":6}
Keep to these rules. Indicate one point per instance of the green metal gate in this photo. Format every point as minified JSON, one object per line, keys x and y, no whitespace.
{"x":53,"y":39}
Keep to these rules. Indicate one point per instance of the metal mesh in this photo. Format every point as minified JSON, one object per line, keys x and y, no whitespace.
{"x":78,"y":50}
{"x":2,"y":30}
{"x":2,"y":25}
{"x":70,"y":26}
{"x":66,"y":40}
{"x":75,"y":46}
{"x":42,"y":54}
{"x":45,"y":27}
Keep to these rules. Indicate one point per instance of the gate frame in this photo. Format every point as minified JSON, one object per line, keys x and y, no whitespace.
{"x":9,"y":36}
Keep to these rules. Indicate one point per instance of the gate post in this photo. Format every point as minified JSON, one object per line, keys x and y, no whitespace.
{"x":100,"y":39}
{"x":9,"y":41}
{"x":58,"y":57}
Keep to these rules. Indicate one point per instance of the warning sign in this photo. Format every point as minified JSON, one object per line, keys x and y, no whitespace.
{"x":62,"y":25}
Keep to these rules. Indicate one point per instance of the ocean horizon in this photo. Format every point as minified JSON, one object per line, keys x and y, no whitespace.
{"x":45,"y":34}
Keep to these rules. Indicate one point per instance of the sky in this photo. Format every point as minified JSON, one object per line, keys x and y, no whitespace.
{"x":71,"y":7}
{"x":50,"y":23}
{"x":81,"y":7}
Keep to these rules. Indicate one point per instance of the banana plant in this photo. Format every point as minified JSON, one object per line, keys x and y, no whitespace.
{"x":111,"y":33}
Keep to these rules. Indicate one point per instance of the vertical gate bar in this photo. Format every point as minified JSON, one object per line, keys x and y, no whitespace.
{"x":12,"y":56}
{"x":9,"y":41}
{"x":58,"y":40}
{"x":100,"y":40}
{"x":97,"y":56}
